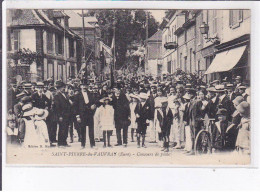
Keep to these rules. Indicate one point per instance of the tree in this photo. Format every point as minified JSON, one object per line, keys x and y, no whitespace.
{"x":129,"y":26}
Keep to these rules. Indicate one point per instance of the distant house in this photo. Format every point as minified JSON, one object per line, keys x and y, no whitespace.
{"x":153,"y":64}
{"x":92,"y":37}
{"x":43,"y":31}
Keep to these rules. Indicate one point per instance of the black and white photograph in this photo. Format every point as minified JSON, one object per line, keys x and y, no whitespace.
{"x":162,"y":87}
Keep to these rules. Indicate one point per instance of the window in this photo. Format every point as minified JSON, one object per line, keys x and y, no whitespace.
{"x":16,"y":40}
{"x":185,"y":36}
{"x":181,"y":61}
{"x":72,"y":71}
{"x":190,"y":60}
{"x":59,"y":44}
{"x":185,"y":64}
{"x":235,"y":18}
{"x":215,"y":21}
{"x":169,"y":66}
{"x":50,"y":68}
{"x":71,"y":48}
{"x":173,"y":36}
{"x":169,"y":35}
{"x":49,"y":42}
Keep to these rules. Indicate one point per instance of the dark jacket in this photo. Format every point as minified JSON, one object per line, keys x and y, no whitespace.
{"x":62,"y":106}
{"x":83,"y":109}
{"x":211,"y":108}
{"x":40,"y":101}
{"x":144,"y":112}
{"x":226,"y":104}
{"x":219,"y":135}
{"x":11,"y":100}
{"x":122,"y":111}
{"x":165,"y":121}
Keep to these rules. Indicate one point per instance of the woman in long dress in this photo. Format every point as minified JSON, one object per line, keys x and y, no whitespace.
{"x":27,"y":127}
{"x":41,"y":127}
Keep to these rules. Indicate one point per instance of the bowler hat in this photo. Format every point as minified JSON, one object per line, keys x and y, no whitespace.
{"x":39,"y":84}
{"x":59,"y":84}
{"x":26,"y":99}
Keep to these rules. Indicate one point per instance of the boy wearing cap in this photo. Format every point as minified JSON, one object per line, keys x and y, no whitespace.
{"x":163,"y":122}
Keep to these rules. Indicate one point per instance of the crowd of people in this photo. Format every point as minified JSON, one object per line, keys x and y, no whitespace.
{"x":171,"y":110}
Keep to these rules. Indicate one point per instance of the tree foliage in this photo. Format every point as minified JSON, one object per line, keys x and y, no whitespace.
{"x":130,"y":26}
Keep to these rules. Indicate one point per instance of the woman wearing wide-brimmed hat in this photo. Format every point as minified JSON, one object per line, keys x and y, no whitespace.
{"x":27,"y":126}
{"x":41,"y":127}
{"x":243,"y":138}
{"x":106,"y":120}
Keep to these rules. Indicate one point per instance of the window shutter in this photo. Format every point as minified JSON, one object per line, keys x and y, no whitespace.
{"x":230,"y":17}
{"x":56,"y":44}
{"x":16,"y":40}
{"x":240,"y":16}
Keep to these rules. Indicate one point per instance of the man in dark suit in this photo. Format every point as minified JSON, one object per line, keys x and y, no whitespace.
{"x":63,"y":111}
{"x":143,"y":113}
{"x":121,"y":116}
{"x":85,"y":108}
{"x":11,"y":97}
{"x":39,"y":98}
{"x":194,"y":114}
{"x":224,"y":101}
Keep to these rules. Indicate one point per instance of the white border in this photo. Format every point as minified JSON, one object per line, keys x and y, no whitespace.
{"x":156,"y":178}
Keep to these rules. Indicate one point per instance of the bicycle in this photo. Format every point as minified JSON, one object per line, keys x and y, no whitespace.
{"x":203,"y":140}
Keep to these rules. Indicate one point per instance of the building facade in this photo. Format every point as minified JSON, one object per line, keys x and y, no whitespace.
{"x":193,"y":38}
{"x":46,"y":33}
{"x":92,"y":39}
{"x":153,"y":64}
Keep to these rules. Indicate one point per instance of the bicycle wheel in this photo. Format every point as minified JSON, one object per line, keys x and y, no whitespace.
{"x":203,"y":143}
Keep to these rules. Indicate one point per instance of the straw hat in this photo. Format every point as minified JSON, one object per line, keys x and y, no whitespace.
{"x":143,"y":96}
{"x":244,"y":108}
{"x":133,"y":96}
{"x":28,"y":110}
{"x":186,"y":96}
{"x":238,"y":100}
{"x":41,"y":114}
{"x":105,"y":98}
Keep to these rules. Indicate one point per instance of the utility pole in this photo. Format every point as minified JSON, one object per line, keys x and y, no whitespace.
{"x":114,"y":39}
{"x":146,"y":42}
{"x":65,"y":50}
{"x":84,"y":43}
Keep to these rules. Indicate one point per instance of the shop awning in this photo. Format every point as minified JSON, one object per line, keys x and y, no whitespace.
{"x":226,"y":60}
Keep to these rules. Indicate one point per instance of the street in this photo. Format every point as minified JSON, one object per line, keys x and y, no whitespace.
{"x":118,"y":155}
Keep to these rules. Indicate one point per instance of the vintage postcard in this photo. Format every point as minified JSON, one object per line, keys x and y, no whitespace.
{"x":128,"y":87}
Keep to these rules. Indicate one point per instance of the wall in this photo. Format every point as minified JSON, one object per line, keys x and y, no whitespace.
{"x":28,"y":39}
{"x":230,"y":33}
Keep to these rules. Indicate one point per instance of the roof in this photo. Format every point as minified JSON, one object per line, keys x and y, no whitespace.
{"x":75,"y":20}
{"x":22,"y":17}
{"x":58,"y":14}
{"x":156,"y":37}
{"x":28,"y":17}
